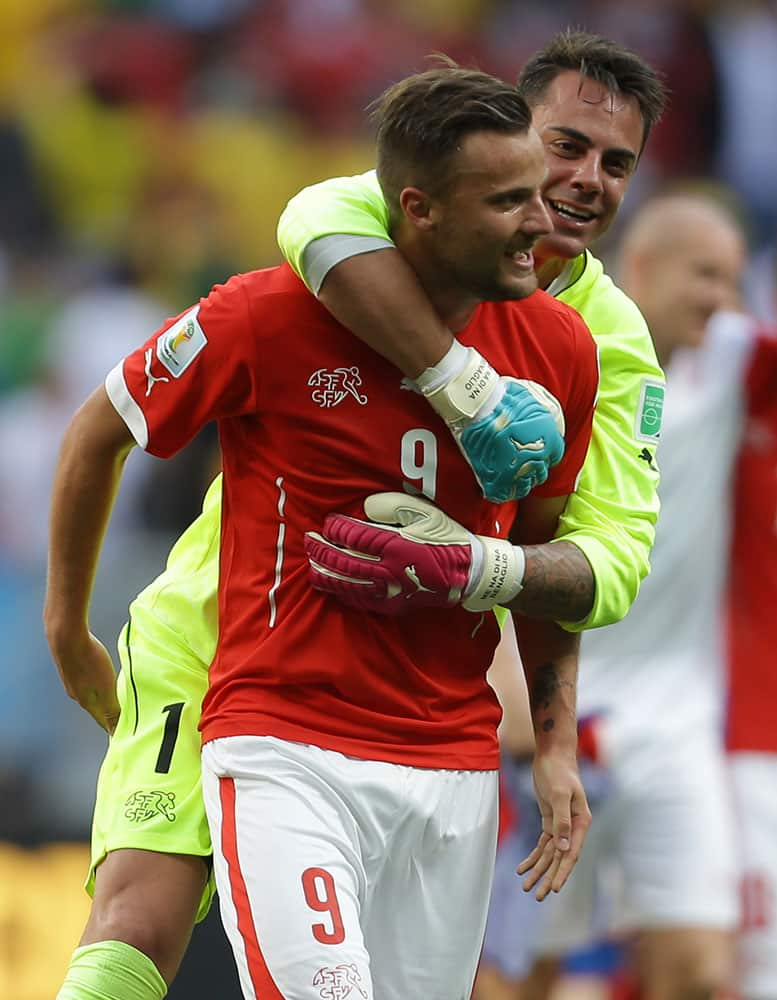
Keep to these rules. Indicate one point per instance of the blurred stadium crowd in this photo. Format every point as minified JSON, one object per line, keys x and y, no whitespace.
{"x":147,"y":148}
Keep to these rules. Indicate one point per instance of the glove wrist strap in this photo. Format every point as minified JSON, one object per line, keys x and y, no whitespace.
{"x":448,"y":367}
{"x":496,"y":577}
{"x":461,"y":396}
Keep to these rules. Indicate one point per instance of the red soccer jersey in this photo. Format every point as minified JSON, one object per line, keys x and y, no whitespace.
{"x":311,"y":421}
{"x":752,"y":589}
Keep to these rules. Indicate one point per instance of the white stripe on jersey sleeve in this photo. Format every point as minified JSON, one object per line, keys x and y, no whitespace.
{"x":125,"y":405}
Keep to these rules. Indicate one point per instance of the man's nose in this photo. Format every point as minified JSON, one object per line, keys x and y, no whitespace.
{"x":537,"y":220}
{"x":588,"y":176}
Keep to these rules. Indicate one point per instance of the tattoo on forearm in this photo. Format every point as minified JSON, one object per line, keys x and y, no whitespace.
{"x":546,"y":685}
{"x":558,"y":583}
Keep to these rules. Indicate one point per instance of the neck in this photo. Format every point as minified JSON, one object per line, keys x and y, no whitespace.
{"x":452,"y":304}
{"x":548,"y":270}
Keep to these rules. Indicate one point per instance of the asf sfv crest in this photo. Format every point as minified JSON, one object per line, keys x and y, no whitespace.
{"x":331,"y":387}
{"x":339,"y":983}
{"x":142,"y":806}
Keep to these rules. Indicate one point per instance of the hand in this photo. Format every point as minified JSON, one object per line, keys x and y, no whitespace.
{"x":89,"y":678}
{"x":410,"y":555}
{"x":565,"y":822}
{"x":511,"y":431}
{"x":513,"y":447}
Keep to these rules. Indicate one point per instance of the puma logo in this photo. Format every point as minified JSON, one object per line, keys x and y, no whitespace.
{"x":647,"y":457}
{"x":151,"y":379}
{"x":412,"y":575}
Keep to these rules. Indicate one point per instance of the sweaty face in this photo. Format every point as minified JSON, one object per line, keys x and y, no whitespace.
{"x":491,"y":215}
{"x":591,"y":139}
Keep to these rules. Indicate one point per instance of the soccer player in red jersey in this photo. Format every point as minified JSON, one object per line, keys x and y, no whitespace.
{"x":350,"y":761}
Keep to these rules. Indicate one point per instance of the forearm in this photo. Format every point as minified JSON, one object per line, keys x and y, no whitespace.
{"x":558,"y":583}
{"x":506,"y":677}
{"x":379,"y":298}
{"x":550,"y":657}
{"x":92,"y":455}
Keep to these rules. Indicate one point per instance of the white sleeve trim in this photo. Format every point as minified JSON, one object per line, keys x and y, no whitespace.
{"x":320,"y":256}
{"x":125,"y":405}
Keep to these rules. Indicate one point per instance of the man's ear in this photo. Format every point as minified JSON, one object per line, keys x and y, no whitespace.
{"x":418,"y":208}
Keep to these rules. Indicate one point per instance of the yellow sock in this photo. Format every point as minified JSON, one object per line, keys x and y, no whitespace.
{"x":111,"y":970}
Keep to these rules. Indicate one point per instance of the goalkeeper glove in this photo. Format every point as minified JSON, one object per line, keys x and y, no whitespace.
{"x":511,"y":431}
{"x":411,"y":555}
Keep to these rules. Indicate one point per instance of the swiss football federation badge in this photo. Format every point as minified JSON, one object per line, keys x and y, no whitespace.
{"x":142,"y":806}
{"x":330,"y":388}
{"x":339,"y":983}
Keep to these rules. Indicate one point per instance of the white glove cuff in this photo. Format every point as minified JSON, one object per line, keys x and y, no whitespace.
{"x":463,"y":395}
{"x":448,"y":367}
{"x":496,"y":573}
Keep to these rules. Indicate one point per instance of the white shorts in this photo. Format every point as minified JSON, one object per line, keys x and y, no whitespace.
{"x":754,"y":785}
{"x":660,"y":851}
{"x":340,"y":877}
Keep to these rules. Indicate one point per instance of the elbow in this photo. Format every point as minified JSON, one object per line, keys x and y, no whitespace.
{"x":617,"y":578}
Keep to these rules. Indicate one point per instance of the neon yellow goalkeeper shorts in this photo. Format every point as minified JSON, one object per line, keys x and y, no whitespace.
{"x":149,"y":792}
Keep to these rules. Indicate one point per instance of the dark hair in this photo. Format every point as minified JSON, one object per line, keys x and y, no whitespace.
{"x":422,"y":120}
{"x":609,"y":63}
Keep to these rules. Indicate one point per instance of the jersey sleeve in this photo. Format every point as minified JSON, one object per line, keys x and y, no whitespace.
{"x":612,"y":514}
{"x":201,"y":366}
{"x":331,"y":221}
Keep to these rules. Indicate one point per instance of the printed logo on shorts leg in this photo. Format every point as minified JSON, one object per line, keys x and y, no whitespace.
{"x":339,"y":983}
{"x":650,"y":411}
{"x":332,"y":387}
{"x":177,"y":347}
{"x":142,"y":806}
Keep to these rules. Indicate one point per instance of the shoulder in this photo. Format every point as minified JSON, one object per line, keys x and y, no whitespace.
{"x":266,"y":294}
{"x":606,"y":308}
{"x":542,"y":310}
{"x":280,"y":280}
{"x":555,"y":323}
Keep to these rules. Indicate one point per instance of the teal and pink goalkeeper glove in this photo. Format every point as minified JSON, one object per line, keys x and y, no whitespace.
{"x":511,"y":431}
{"x":411,"y":555}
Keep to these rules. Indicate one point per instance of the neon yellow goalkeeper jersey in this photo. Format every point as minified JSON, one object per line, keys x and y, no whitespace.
{"x":184,"y":597}
{"x":612,"y":514}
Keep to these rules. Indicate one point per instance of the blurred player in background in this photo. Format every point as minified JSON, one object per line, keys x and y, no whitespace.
{"x":654,"y":682}
{"x":751,"y":733}
{"x":611,"y":519}
{"x":323,"y":727}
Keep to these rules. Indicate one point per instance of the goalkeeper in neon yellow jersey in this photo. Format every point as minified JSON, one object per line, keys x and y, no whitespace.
{"x":594,"y":104}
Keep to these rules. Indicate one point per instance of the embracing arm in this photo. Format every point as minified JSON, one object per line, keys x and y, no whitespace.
{"x":558,"y":581}
{"x":396,"y":318}
{"x":335,"y":235}
{"x":91,"y":460}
